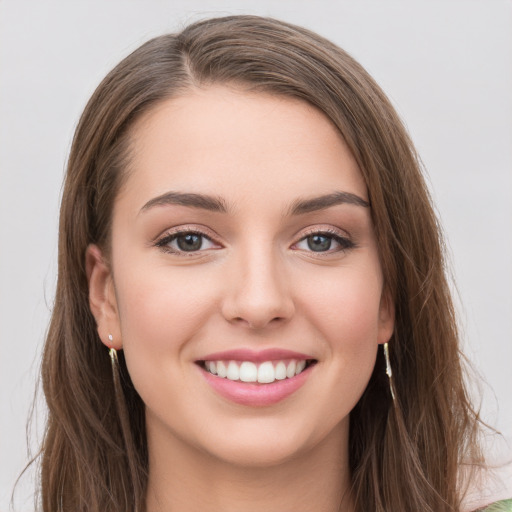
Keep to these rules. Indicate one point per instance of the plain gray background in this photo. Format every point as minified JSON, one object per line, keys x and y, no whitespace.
{"x":445,"y":64}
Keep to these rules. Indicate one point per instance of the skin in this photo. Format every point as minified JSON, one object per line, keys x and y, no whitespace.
{"x":255,"y":284}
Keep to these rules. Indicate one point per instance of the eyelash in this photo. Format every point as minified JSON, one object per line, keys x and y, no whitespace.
{"x":344,"y":242}
{"x":163,"y":244}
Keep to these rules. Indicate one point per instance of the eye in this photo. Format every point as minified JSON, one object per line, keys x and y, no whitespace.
{"x":324,"y":242}
{"x":186,"y":241}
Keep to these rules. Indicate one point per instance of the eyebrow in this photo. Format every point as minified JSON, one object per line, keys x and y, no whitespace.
{"x":205,"y":202}
{"x":217,"y":204}
{"x":314,"y":204}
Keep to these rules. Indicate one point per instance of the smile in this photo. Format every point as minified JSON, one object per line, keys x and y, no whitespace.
{"x":256,"y":379}
{"x":265,"y":372}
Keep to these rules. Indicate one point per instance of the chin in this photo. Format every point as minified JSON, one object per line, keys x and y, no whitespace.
{"x":258,"y":453}
{"x":259,"y":444}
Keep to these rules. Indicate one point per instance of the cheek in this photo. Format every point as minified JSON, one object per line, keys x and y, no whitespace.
{"x":159,"y":310}
{"x":345,"y":305}
{"x":343,"y":310}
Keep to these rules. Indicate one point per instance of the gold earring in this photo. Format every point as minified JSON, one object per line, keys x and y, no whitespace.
{"x":112,"y":352}
{"x":389,"y":372}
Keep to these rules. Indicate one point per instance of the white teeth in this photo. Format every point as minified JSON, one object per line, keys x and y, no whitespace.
{"x":264,"y":373}
{"x":221,"y":369}
{"x":290,"y":370}
{"x":233,"y":371}
{"x":280,"y":371}
{"x":300,"y":367}
{"x":248,"y":372}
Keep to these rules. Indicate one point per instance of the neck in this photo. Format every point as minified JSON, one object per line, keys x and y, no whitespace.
{"x":317,"y":479}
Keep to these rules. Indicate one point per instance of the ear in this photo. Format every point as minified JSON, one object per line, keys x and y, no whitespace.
{"x":102,"y":297}
{"x":386,"y":317}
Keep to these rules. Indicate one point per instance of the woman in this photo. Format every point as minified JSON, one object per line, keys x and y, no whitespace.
{"x":245,"y":227}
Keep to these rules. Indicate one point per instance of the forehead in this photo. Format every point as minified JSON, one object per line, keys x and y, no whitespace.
{"x":232,"y":143}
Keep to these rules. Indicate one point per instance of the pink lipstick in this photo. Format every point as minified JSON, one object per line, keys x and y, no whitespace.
{"x":256,"y":378}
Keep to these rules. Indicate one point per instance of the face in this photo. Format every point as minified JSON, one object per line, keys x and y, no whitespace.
{"x":244,"y":284}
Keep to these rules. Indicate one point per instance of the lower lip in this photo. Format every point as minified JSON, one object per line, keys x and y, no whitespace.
{"x":253,"y":394}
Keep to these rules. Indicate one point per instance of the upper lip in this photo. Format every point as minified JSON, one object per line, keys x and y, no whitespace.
{"x":256,"y":356}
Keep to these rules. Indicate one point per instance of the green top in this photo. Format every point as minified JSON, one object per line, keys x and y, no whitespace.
{"x":499,"y":506}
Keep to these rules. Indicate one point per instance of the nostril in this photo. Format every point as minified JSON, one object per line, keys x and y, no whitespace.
{"x":261,"y":323}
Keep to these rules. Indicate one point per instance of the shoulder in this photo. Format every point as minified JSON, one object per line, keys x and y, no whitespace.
{"x":499,"y":506}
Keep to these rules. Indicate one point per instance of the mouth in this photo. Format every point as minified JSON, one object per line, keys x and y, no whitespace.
{"x":256,"y":379}
{"x":263,"y":372}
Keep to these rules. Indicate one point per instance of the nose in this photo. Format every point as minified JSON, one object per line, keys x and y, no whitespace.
{"x":258,"y":293}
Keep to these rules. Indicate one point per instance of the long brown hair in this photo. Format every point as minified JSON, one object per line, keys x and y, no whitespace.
{"x":405,"y":454}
